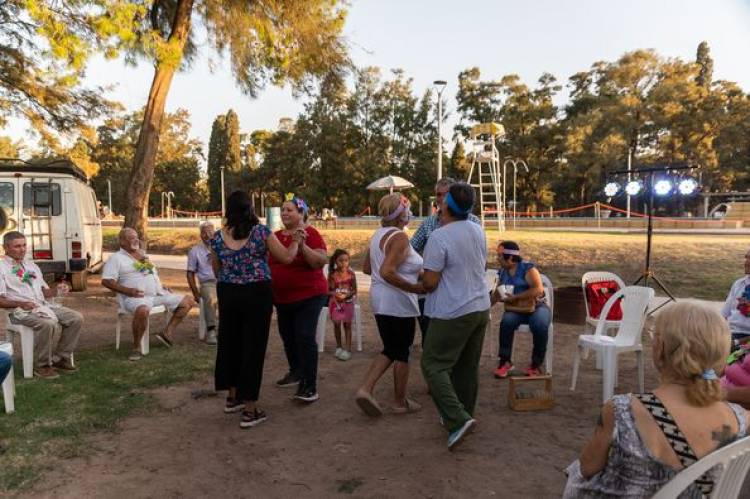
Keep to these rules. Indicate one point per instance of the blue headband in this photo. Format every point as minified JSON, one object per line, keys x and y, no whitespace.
{"x":454,"y":207}
{"x":709,"y":375}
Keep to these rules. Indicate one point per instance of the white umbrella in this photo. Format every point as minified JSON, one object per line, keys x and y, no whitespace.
{"x":390,"y":183}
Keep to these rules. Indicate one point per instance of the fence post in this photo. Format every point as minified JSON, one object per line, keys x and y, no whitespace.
{"x":598,"y":214}
{"x":550,"y":212}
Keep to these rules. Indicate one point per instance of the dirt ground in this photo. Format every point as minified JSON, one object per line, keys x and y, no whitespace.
{"x":190,"y":448}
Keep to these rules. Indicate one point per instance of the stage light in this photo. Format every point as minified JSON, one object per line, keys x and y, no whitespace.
{"x":662,"y":187}
{"x":633,"y":187}
{"x":611,"y":189}
{"x":687,"y":186}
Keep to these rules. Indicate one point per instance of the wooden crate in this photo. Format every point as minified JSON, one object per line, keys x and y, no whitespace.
{"x":530,"y":394}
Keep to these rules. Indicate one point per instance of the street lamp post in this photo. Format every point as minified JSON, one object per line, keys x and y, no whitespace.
{"x":440,"y":85}
{"x":223,"y":198}
{"x":630,"y":177}
{"x":170,"y":197}
{"x":515,"y":174}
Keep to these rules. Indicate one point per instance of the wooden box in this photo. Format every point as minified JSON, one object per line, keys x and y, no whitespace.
{"x":530,"y":394}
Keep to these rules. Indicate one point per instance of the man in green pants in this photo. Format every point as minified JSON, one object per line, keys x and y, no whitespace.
{"x":458,"y":307}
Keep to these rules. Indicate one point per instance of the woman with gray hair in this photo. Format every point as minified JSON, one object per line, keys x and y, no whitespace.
{"x":395,"y":268}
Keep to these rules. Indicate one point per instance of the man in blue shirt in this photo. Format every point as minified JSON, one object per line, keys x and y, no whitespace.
{"x":420,"y":237}
{"x":199,"y":265}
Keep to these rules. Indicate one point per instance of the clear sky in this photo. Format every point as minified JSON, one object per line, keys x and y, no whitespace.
{"x":436,"y":39}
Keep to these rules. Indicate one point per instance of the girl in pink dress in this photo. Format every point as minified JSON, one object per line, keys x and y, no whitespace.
{"x":342,"y":289}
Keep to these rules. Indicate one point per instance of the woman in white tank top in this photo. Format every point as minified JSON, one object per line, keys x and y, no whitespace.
{"x":395,"y":269}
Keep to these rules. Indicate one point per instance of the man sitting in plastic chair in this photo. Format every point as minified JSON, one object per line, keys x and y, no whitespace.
{"x":22,"y":288}
{"x":131,"y":275}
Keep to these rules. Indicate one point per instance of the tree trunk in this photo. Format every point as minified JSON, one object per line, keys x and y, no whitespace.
{"x":144,"y":161}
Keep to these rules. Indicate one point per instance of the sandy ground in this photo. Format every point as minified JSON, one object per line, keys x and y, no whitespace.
{"x":191,"y":449}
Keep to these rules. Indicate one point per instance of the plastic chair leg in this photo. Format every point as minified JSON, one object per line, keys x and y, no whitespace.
{"x":320,"y":331}
{"x":9,"y":392}
{"x":550,"y":349}
{"x":201,"y":320}
{"x":358,"y":327}
{"x":576,"y":364}
{"x":641,"y":374}
{"x":145,"y":340}
{"x":118,"y":329}
{"x":27,"y":353}
{"x":609,"y":373}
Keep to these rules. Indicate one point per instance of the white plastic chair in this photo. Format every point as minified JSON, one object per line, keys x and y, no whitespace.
{"x":320,"y":333}
{"x":202,"y":328}
{"x":734,"y":462}
{"x":635,"y":301}
{"x":549,"y":297}
{"x":594,"y":277}
{"x":27,"y":344}
{"x":9,"y":383}
{"x":124,"y":314}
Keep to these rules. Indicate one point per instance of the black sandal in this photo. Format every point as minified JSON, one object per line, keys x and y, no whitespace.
{"x":250,"y":419}
{"x":233,"y":405}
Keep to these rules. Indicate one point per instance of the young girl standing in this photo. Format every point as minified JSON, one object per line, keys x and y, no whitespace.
{"x":342,"y":289}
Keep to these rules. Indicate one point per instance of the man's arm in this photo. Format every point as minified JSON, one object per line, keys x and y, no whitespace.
{"x":113,"y":285}
{"x":419,"y":239}
{"x":726,"y":310}
{"x":8,"y":303}
{"x":193,"y":286}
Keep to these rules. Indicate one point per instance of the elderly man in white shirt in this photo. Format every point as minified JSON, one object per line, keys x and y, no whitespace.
{"x":131,"y":275}
{"x":736,"y":309}
{"x":23,"y":289}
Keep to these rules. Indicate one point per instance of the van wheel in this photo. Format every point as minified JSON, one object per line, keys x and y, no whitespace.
{"x":79,"y":280}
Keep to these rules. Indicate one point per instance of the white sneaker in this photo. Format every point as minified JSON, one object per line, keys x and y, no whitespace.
{"x":338,"y":353}
{"x":211,"y":338}
{"x":345,"y":355}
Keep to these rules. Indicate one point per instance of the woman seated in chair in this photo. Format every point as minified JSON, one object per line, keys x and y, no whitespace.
{"x":524,"y":304}
{"x":642,"y":441}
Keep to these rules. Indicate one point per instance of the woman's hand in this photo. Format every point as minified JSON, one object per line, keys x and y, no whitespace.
{"x":299,"y":236}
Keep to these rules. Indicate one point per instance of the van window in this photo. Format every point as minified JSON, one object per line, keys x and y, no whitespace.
{"x":45,"y":199}
{"x":7,"y":196}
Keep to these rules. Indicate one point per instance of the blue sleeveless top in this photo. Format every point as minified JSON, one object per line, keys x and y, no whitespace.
{"x":518,"y":281}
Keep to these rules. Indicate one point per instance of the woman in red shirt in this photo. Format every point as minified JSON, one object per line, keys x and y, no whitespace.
{"x":300,"y":291}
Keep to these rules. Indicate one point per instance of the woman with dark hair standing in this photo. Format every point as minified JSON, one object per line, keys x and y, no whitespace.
{"x":300,"y":291}
{"x":239,"y":252}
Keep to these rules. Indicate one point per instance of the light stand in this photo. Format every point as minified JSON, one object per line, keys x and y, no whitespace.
{"x":648,"y":272}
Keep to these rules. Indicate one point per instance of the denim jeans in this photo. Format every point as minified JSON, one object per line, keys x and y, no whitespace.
{"x":298,"y":322}
{"x":538,"y":322}
{"x":6,"y":361}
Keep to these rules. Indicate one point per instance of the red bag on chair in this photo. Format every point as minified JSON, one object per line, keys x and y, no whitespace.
{"x":597,"y":294}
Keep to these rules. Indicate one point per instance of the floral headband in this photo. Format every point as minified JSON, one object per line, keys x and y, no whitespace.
{"x":297,"y":201}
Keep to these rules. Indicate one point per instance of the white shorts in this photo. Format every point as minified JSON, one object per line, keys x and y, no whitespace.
{"x":170,"y":300}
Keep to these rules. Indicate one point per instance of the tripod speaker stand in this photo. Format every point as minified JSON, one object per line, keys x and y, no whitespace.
{"x":648,"y":273}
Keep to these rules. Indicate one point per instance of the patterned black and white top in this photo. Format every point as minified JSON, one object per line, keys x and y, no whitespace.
{"x":631,"y":470}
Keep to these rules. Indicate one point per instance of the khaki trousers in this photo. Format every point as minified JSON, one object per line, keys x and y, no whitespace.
{"x":210,"y":303}
{"x":44,"y":327}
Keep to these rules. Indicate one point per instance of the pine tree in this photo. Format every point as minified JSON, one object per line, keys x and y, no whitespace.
{"x":706,"y":63}
{"x":217,"y":154}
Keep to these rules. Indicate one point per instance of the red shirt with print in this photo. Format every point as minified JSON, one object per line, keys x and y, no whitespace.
{"x":297,"y":281}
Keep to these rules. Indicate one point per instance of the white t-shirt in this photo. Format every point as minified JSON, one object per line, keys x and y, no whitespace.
{"x":122,"y":267}
{"x":12,"y":285}
{"x":459,"y":251}
{"x":738,"y":323}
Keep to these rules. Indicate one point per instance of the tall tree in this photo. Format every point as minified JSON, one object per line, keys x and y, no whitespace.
{"x":217,"y":155}
{"x":45,"y":45}
{"x":275,"y":41}
{"x":706,"y":63}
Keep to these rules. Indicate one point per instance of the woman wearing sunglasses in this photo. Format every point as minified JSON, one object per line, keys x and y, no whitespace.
{"x":522,"y":293}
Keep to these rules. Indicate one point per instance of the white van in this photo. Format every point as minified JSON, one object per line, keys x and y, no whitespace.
{"x":53,"y":205}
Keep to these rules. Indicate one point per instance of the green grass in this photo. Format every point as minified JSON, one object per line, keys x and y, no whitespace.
{"x":53,"y":418}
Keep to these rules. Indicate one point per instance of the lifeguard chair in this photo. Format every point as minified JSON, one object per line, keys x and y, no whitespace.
{"x":485,"y":161}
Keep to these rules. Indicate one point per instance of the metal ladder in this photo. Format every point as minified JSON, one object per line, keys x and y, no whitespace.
{"x":486,"y":163}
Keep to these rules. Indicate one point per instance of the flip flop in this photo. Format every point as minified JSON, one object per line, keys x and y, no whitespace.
{"x":368,"y":404}
{"x":166,"y":341}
